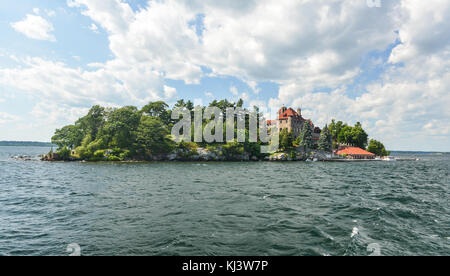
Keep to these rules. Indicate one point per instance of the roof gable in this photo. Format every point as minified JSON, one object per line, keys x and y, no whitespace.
{"x":287,"y":113}
{"x":354,"y":151}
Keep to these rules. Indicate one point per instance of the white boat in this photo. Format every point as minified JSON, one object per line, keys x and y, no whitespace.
{"x":389,"y":159}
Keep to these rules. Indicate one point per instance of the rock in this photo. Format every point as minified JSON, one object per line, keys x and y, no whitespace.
{"x":23,"y":158}
{"x":206,"y":155}
{"x":172,"y":157}
{"x":245,"y":157}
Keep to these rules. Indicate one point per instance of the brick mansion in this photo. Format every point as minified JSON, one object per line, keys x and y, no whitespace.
{"x":293,"y":121}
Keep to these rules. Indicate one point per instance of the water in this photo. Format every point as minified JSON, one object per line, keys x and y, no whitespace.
{"x":400,"y":208}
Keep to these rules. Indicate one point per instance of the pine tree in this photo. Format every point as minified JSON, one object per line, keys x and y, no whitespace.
{"x":305,"y":139}
{"x":325,"y":143}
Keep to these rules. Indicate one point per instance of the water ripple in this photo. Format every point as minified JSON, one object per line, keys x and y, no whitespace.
{"x":224,"y":208}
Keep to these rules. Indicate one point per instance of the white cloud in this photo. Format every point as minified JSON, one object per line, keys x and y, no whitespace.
{"x":113,"y":15}
{"x":50,"y":113}
{"x":302,"y":40}
{"x":115,"y":83}
{"x":94,"y":28}
{"x":50,"y":13}
{"x":35,"y":27}
{"x":304,"y":46}
{"x":169,"y":92}
{"x":245,"y":97}
{"x":7,"y":118}
{"x":316,"y":43}
{"x":234,"y":90}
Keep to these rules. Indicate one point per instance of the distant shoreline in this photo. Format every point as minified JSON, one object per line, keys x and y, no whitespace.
{"x":25,"y":144}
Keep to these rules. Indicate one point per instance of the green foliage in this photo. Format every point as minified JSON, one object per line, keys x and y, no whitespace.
{"x":222,"y":105}
{"x":240,"y":103}
{"x":69,"y":136}
{"x":113,"y":158}
{"x":99,"y":155}
{"x":377,"y":148}
{"x":305,"y":139}
{"x":93,"y":122}
{"x":96,"y":145}
{"x":292,"y":154}
{"x":355,"y":136}
{"x":152,"y":137}
{"x":186,"y":149}
{"x":254,"y":150}
{"x":64,"y":154}
{"x":121,"y":125}
{"x":128,"y":133}
{"x":286,"y":140}
{"x":83,"y":153}
{"x":335,"y":129}
{"x":158,"y":110}
{"x":125,"y":155}
{"x":232,"y":149}
{"x":325,"y":141}
{"x":186,"y":146}
{"x":182,"y":104}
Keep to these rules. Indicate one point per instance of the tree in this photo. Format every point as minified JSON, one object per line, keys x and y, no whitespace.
{"x":159,"y":110}
{"x":335,"y":128}
{"x":345,"y":135}
{"x":93,"y":122}
{"x":69,"y":136}
{"x":377,"y":148}
{"x":360,"y":136}
{"x":240,"y":103}
{"x":223,"y":105}
{"x":155,"y":109}
{"x":182,"y":104}
{"x":286,"y":139}
{"x":325,"y":143}
{"x":305,"y":139}
{"x":121,"y":126}
{"x":152,"y":136}
{"x":355,"y":136}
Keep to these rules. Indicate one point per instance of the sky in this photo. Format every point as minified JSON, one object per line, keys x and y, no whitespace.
{"x":382,"y":63}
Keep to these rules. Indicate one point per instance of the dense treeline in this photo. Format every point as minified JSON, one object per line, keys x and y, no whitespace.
{"x":126,"y":133}
{"x":342,"y":133}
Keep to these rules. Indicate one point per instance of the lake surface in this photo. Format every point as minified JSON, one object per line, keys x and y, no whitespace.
{"x":402,"y":208}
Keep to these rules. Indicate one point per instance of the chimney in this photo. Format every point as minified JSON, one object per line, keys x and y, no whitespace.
{"x":299,"y":111}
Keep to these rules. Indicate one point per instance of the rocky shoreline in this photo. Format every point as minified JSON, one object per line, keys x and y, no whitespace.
{"x":204,"y":155}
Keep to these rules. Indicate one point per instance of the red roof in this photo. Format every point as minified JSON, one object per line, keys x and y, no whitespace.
{"x":354,"y":151}
{"x":286,"y":113}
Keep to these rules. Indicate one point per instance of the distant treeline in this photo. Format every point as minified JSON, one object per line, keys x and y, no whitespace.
{"x":419,"y":152}
{"x":25,"y":144}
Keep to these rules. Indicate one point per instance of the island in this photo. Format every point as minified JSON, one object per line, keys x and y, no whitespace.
{"x":129,"y":134}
